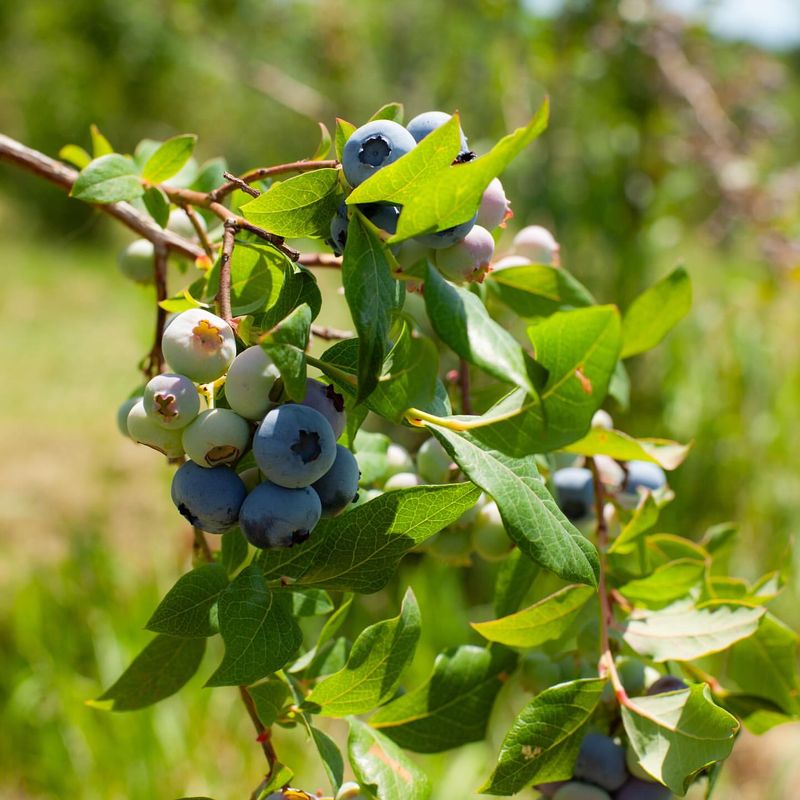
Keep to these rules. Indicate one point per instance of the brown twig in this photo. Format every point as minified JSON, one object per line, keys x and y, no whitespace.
{"x":264,"y":735}
{"x":64,"y":177}
{"x":200,"y":546}
{"x":240,"y":184}
{"x":320,"y":260}
{"x":464,"y":387}
{"x":323,"y":332}
{"x":224,"y":291}
{"x":154,"y":362}
{"x":268,"y":172}
{"x":199,"y":229}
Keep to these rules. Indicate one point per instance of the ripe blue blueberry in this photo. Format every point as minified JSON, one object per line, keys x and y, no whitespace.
{"x":171,"y":400}
{"x":381,"y":215}
{"x":339,"y":485}
{"x":433,"y":462}
{"x":294,"y":446}
{"x":574,"y":491}
{"x":580,"y":791}
{"x":447,"y":237}
{"x":537,"y":244}
{"x":247,"y":386}
{"x":469,"y":259}
{"x":136,"y":261}
{"x":636,"y":789}
{"x":339,"y":225}
{"x":199,"y":344}
{"x":644,"y":475}
{"x":372,"y":147}
{"x":324,"y":398}
{"x":667,"y":683}
{"x":274,"y":516}
{"x":601,"y":761}
{"x":143,"y":429}
{"x":216,"y":436}
{"x":494,"y":209}
{"x":429,"y":121}
{"x":210,"y":499}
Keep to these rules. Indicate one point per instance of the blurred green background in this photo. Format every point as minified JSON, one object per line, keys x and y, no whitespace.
{"x":666,"y":145}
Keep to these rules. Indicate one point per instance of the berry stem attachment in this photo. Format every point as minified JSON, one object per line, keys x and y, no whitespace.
{"x":199,"y":229}
{"x":223,"y":298}
{"x":154,"y":361}
{"x":464,"y":386}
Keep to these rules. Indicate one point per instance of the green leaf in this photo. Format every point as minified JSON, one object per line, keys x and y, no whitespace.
{"x":765,"y":665}
{"x":408,"y":375}
{"x":375,"y":666}
{"x":372,"y":295}
{"x":391,"y":111}
{"x":325,"y":144}
{"x":211,"y":175}
{"x":157,"y":205}
{"x":310,"y":602}
{"x":654,"y":313}
{"x":269,"y":698}
{"x":544,"y":740}
{"x":462,"y":322}
{"x":75,"y":155}
{"x":530,"y":513}
{"x":234,"y":550}
{"x":453,"y":707}
{"x":162,"y":668}
{"x":334,"y":623}
{"x":186,"y":608}
{"x":514,"y":578}
{"x":301,"y":206}
{"x":344,"y":130}
{"x":434,"y":193}
{"x":108,"y":179}
{"x":359,"y":551}
{"x":683,"y":633}
{"x":538,"y":290}
{"x":677,"y":734}
{"x":329,"y":658}
{"x":380,"y":765}
{"x":757,"y":714}
{"x":169,"y":158}
{"x":644,"y":518}
{"x":330,"y":755}
{"x":618,"y":445}
{"x":258,"y":629}
{"x":667,"y":583}
{"x":545,"y":620}
{"x":100,"y":145}
{"x":285,"y":344}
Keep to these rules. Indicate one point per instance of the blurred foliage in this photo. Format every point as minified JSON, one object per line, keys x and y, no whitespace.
{"x":629,"y":175}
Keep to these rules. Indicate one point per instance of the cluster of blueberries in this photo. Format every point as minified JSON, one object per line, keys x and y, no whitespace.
{"x":574,"y":485}
{"x":300,"y":472}
{"x":605,"y":770}
{"x":463,"y":252}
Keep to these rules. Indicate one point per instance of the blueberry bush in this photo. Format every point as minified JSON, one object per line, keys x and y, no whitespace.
{"x":642,"y":657}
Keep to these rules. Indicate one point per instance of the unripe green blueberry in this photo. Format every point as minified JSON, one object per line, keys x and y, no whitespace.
{"x":411,"y":252}
{"x":537,"y":244}
{"x":171,"y":400}
{"x":145,"y":430}
{"x":398,"y":459}
{"x":467,"y":519}
{"x":402,"y":480}
{"x":453,"y":545}
{"x":250,"y":378}
{"x":350,"y":791}
{"x":611,"y":473}
{"x":631,"y":673}
{"x":494,"y":209}
{"x":538,"y":672}
{"x":468,"y":259}
{"x":200,"y":345}
{"x":433,"y":462}
{"x":180,"y":224}
{"x":136,"y":261}
{"x":122,"y":414}
{"x":580,"y":791}
{"x":489,"y":537}
{"x":602,"y":419}
{"x":216,"y":436}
